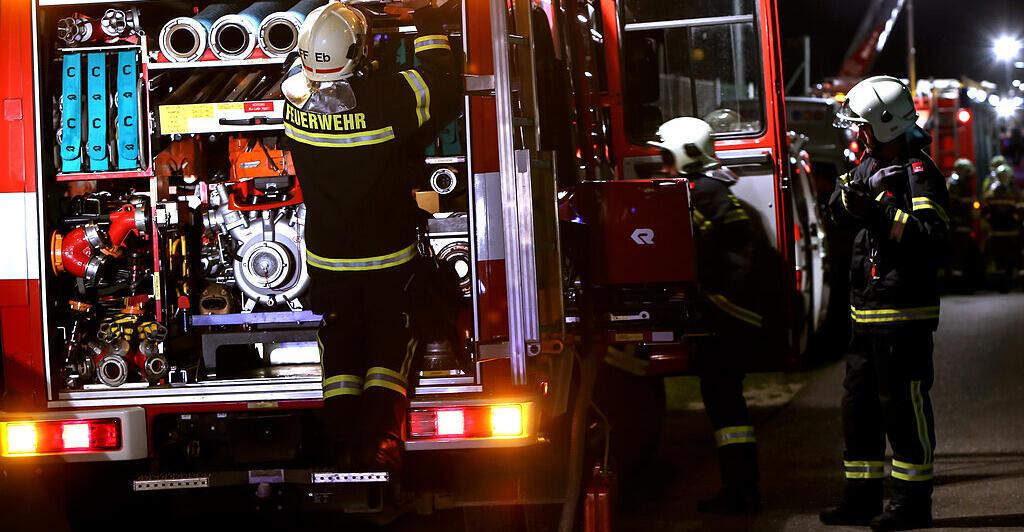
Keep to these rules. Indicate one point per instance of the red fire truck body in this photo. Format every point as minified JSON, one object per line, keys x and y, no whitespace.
{"x":546,"y":297}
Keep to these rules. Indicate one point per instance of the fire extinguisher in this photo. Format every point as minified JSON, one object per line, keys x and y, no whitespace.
{"x":597,"y":506}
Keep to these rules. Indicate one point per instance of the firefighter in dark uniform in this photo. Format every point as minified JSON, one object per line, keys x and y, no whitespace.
{"x":725,"y":251}
{"x":999,"y":203}
{"x":351,"y":133}
{"x":896,"y":199}
{"x":964,"y":252}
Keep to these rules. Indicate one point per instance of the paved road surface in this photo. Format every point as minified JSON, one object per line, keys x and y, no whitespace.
{"x":979,"y":463}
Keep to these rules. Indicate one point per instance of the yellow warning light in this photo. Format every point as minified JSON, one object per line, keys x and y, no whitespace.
{"x":506,"y":420}
{"x":19,"y":438}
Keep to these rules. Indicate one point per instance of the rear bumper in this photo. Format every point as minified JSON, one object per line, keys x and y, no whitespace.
{"x":134,"y":437}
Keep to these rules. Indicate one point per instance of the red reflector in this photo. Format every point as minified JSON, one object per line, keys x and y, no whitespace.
{"x":26,"y":438}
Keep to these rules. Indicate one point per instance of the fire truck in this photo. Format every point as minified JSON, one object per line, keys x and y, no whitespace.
{"x":152,"y":318}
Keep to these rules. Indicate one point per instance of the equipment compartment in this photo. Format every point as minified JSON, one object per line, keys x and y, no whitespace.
{"x":179,"y":276}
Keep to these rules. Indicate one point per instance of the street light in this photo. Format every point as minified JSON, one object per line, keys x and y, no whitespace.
{"x":1006,"y":48}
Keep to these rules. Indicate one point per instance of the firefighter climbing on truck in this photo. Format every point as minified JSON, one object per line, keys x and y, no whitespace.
{"x":350,"y":132}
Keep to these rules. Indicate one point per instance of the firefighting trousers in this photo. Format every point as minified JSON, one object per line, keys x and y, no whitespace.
{"x":721,"y":385}
{"x":888,"y":377}
{"x":366,"y":350}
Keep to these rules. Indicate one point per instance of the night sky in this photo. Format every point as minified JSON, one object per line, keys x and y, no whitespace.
{"x":953,"y":36}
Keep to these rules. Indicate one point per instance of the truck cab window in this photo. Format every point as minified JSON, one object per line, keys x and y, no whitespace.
{"x":699,"y":59}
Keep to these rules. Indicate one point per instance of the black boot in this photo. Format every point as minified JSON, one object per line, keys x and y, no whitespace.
{"x":379,"y":447}
{"x":737,"y":464}
{"x":904,"y":516}
{"x":861,"y":502}
{"x":910,"y":507}
{"x":340,"y":424}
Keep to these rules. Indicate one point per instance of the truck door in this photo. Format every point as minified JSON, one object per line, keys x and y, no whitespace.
{"x":717,"y":60}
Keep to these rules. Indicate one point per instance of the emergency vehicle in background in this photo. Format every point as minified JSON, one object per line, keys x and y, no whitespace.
{"x":962,"y":123}
{"x":151,"y":301}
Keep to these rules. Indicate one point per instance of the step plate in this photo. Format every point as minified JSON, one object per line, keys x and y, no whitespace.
{"x":160,"y":483}
{"x":348,"y":478}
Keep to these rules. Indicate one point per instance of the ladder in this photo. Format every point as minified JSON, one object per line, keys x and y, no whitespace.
{"x":947,"y":134}
{"x":527,"y":186}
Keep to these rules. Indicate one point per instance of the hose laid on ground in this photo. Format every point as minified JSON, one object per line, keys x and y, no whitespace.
{"x":279,"y":31}
{"x":185,"y":39}
{"x":234,"y":36}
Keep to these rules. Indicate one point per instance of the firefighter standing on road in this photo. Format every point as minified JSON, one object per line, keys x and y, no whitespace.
{"x":963,"y":248}
{"x":350,"y":136}
{"x":1000,"y":206}
{"x":725,"y":249}
{"x":897,"y":200}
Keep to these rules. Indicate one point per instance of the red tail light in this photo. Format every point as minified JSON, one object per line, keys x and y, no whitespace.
{"x":30,"y":438}
{"x":492,"y":421}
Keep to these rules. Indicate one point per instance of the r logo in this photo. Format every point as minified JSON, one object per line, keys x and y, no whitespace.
{"x":643,"y":237}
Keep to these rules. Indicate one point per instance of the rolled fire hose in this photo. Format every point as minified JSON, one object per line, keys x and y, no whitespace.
{"x":184,"y":39}
{"x":279,"y":32}
{"x":234,"y":36}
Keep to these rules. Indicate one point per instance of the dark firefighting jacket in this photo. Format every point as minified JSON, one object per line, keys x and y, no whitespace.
{"x":1000,"y":207}
{"x":353,"y":165}
{"x":725,"y":246}
{"x":899,"y":244}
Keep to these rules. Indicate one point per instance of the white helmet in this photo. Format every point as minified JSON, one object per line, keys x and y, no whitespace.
{"x":331,"y":42}
{"x":882,"y":102}
{"x":690,"y":143}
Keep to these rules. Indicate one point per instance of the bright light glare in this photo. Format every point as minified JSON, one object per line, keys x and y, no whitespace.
{"x":506,"y":420}
{"x":75,"y":436}
{"x":20,"y":438}
{"x":964,"y":116}
{"x":1006,"y":108}
{"x":451,"y":423}
{"x":1006,"y":48}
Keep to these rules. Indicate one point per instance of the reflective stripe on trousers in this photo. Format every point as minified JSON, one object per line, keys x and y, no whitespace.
{"x":342,"y":385}
{"x":733,"y":435}
{"x":385,"y":378}
{"x":893,"y":315}
{"x":864,"y":470}
{"x":911,"y":472}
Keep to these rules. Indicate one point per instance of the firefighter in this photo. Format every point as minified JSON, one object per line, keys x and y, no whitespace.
{"x":961,"y":218}
{"x":896,"y":200}
{"x":990,"y":177}
{"x":351,"y":131}
{"x":999,"y":206}
{"x":725,"y":250}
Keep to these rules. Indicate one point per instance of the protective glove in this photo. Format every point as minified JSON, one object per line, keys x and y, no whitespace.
{"x":884,"y":179}
{"x":859,"y":203}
